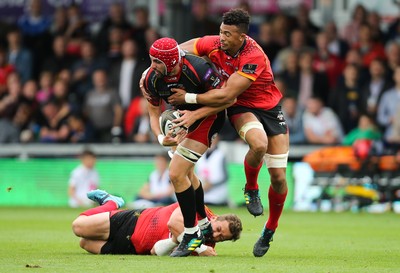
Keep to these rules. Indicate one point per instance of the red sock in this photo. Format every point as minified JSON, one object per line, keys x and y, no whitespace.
{"x":251,"y":175}
{"x":108,"y":206}
{"x":276,"y":202}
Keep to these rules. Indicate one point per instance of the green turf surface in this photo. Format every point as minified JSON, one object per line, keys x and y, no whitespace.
{"x":304,"y":242}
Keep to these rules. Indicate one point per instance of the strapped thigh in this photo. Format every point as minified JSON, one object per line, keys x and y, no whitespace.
{"x":249,"y":125}
{"x":276,"y":161}
{"x":188,"y":154}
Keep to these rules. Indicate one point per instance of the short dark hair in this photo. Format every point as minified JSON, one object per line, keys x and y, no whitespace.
{"x":235,"y":224}
{"x":237,"y":17}
{"x":88,"y":152}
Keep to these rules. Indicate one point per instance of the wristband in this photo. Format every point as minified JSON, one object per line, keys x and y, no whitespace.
{"x":160,"y":139}
{"x":201,"y":249}
{"x":191,"y":98}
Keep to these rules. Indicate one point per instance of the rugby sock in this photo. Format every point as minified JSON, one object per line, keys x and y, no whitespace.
{"x":201,"y":211}
{"x":276,"y":202}
{"x":251,"y":175}
{"x":107,"y":206}
{"x":187,"y":202}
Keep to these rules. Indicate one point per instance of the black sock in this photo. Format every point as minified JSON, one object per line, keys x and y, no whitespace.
{"x":187,"y":202}
{"x":200,"y":202}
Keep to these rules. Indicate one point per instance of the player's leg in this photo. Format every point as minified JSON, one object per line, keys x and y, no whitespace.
{"x":252,"y":131}
{"x":276,"y":161}
{"x":96,"y":226}
{"x":92,"y":246}
{"x":202,"y":220}
{"x":185,"y":156}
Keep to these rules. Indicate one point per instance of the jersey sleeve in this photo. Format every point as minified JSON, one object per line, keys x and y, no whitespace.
{"x":211,"y":79}
{"x":149,"y":89}
{"x":251,"y":66}
{"x":205,"y":45}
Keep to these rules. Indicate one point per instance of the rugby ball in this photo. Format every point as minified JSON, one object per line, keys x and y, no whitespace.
{"x":166,"y":123}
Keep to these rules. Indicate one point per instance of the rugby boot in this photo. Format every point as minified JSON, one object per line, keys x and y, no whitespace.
{"x":253,"y":202}
{"x":263,"y":243}
{"x":102,"y":197}
{"x":189,"y":243}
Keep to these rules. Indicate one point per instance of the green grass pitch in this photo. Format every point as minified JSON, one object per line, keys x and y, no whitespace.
{"x":41,"y":240}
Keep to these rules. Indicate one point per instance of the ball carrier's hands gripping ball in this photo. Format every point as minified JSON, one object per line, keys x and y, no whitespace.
{"x":167,"y":124}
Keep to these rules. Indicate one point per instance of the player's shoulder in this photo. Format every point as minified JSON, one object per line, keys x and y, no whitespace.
{"x":253,"y":49}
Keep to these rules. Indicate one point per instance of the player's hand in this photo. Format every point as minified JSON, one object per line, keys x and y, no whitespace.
{"x":178,"y":96}
{"x":171,"y":140}
{"x":186,"y":119}
{"x":209,"y":252}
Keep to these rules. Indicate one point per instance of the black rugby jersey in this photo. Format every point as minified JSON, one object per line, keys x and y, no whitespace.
{"x":196,"y":76}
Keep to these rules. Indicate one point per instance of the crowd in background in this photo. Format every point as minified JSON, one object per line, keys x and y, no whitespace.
{"x":61,"y":82}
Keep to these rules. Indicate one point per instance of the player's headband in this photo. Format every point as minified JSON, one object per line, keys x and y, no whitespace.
{"x":167,"y":51}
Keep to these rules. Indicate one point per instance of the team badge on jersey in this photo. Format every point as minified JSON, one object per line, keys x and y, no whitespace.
{"x":249,"y":68}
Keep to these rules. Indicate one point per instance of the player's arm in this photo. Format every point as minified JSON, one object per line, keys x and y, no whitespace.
{"x":189,"y":46}
{"x":235,"y":85}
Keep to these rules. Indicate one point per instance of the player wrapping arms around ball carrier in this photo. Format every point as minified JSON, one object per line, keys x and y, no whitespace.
{"x":171,"y":68}
{"x":256,"y":116}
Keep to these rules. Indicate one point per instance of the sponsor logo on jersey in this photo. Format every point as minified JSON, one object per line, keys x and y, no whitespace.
{"x":249,"y":68}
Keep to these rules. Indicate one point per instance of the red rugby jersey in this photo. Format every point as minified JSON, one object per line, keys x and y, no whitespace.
{"x":250,"y":62}
{"x":152,"y":227}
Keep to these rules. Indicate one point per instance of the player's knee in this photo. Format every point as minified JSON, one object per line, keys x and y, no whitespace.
{"x":278,"y":177}
{"x":77,"y":227}
{"x":175,"y":176}
{"x":258,"y":146}
{"x":83,"y":243}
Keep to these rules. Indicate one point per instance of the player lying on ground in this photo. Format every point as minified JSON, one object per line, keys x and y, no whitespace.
{"x":108,"y":230}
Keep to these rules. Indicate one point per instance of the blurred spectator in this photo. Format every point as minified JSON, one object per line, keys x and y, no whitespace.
{"x":321,"y":124}
{"x":35,"y":26}
{"x":366,"y":129}
{"x":60,"y":96}
{"x":5,"y":70}
{"x":311,"y":83}
{"x":77,"y":31}
{"x":103,"y":109}
{"x":266,"y":40}
{"x":297,"y":45}
{"x":389,"y":105}
{"x":79,"y":131}
{"x":116,"y":19}
{"x":394,"y":137}
{"x":141,"y":131}
{"x":368,"y":48}
{"x":53,"y":129}
{"x":17,"y":129}
{"x":345,"y":100}
{"x":213,"y":173}
{"x":126,"y":72}
{"x":115,"y":40}
{"x":290,"y":74}
{"x":83,"y":179}
{"x":304,"y":23}
{"x":374,"y":23}
{"x":326,"y":62}
{"x":140,"y":25}
{"x":59,"y":59}
{"x":158,"y":190}
{"x":18,"y":56}
{"x":9,"y":100}
{"x":294,"y":119}
{"x":336,"y":45}
{"x":280,"y":29}
{"x":83,"y":68}
{"x":374,"y":87}
{"x":59,"y":24}
{"x":350,"y":32}
{"x":45,"y":87}
{"x":202,"y":24}
{"x":393,"y":58}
